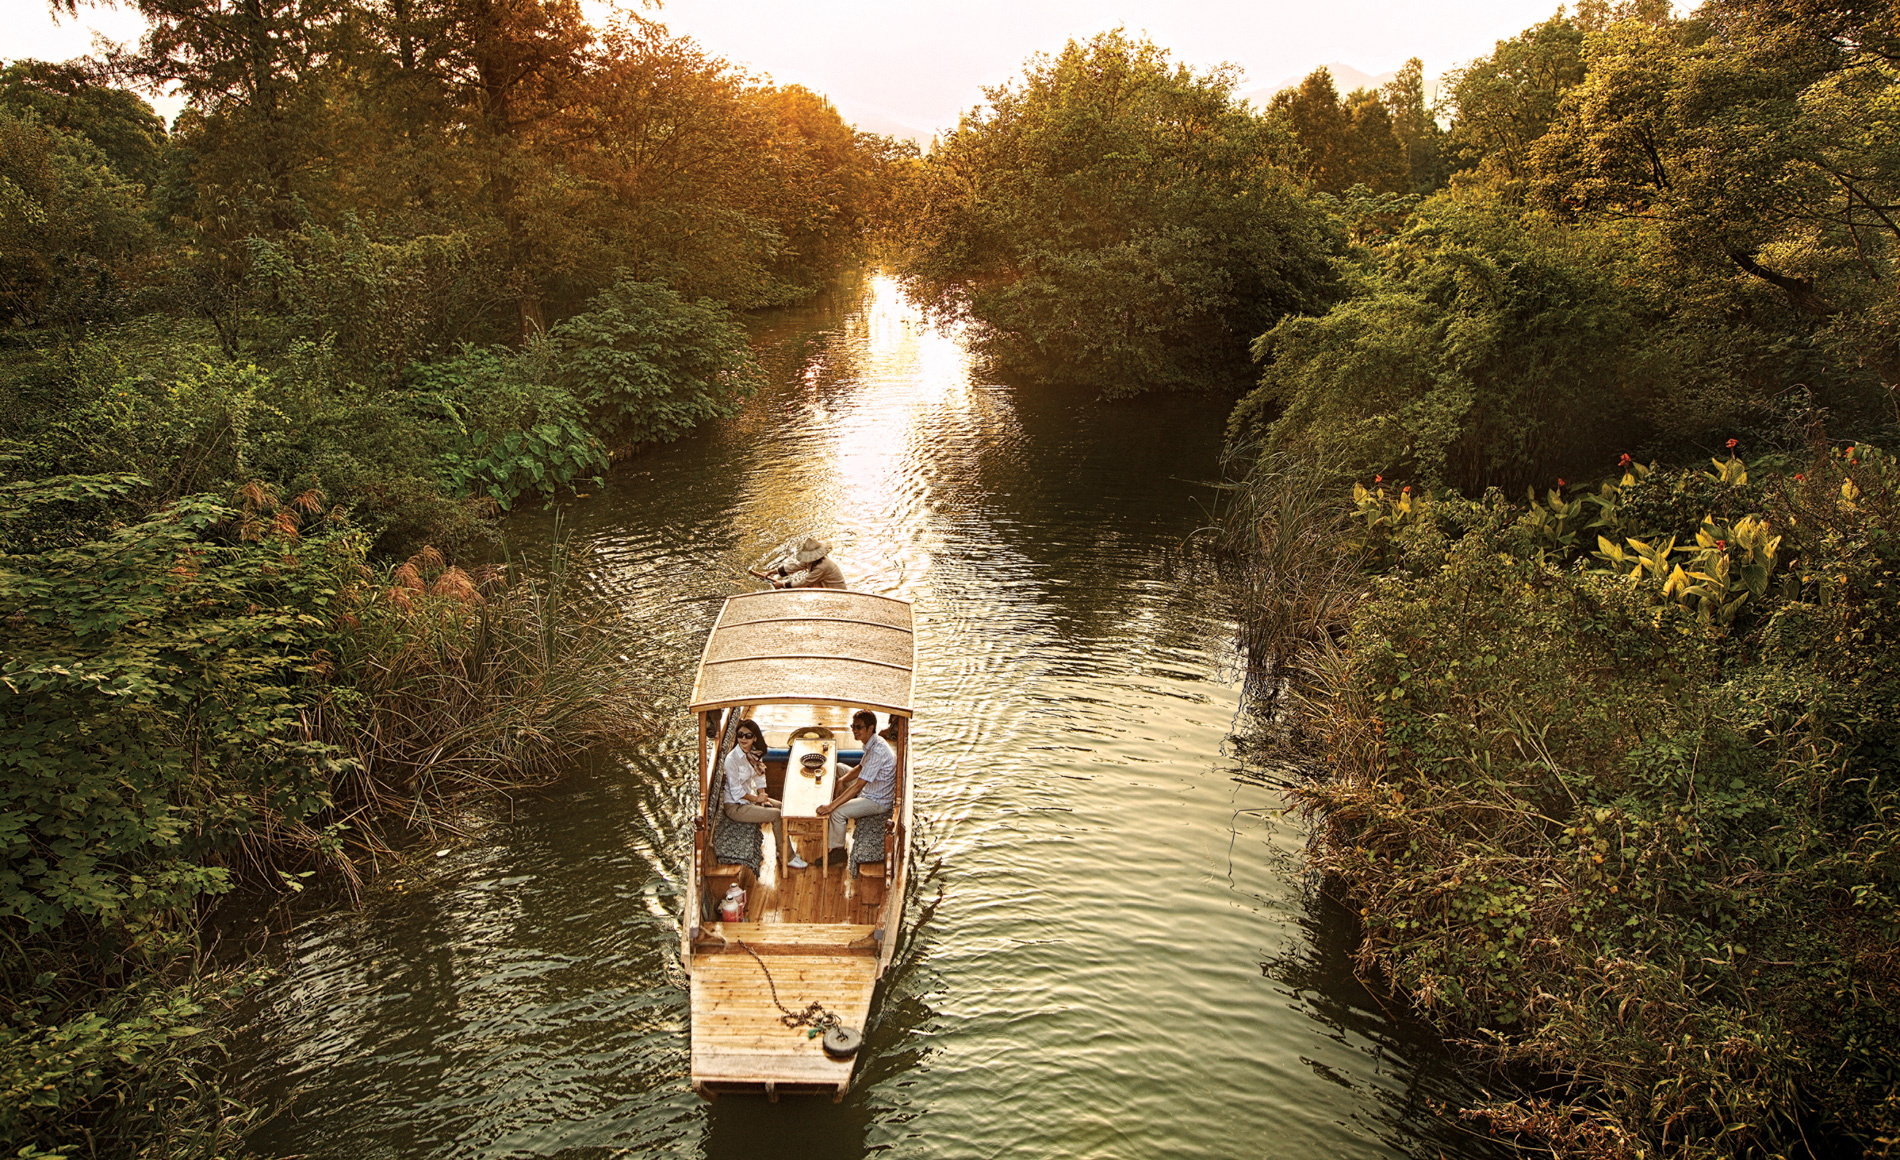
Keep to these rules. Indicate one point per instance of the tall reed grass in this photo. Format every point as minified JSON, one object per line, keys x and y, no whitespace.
{"x":439,"y":685}
{"x":1293,"y":567}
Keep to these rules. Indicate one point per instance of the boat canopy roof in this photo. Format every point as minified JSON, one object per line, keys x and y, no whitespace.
{"x":822,"y":646}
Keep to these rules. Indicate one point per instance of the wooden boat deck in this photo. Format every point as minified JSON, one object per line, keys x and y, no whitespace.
{"x":814,"y":894}
{"x":796,"y":664}
{"x":740,"y":1043}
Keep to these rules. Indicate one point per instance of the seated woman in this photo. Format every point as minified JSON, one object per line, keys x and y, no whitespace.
{"x":746,"y":799}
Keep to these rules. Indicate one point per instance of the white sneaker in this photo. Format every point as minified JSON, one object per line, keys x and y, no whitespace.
{"x":797,"y":863}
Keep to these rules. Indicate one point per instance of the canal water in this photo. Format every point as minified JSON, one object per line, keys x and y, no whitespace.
{"x":1115,"y":952}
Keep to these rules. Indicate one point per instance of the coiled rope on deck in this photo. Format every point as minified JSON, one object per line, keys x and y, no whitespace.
{"x":814,"y":1015}
{"x":839,"y":1041}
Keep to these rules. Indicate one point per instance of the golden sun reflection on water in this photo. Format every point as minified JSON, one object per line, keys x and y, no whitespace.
{"x":881,"y":406}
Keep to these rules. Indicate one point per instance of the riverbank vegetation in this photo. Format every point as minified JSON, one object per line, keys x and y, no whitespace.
{"x":269,"y":376}
{"x":1116,"y":220}
{"x":1607,"y":770}
{"x":222,"y":693}
{"x":1607,"y":777}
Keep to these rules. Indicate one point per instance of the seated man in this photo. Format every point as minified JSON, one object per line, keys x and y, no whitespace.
{"x":867,"y":788}
{"x":817,"y":568}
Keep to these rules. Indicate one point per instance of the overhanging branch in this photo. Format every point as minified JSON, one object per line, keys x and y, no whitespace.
{"x":1800,"y":291}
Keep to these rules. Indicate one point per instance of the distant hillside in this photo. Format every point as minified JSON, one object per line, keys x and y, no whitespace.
{"x":869,"y":120}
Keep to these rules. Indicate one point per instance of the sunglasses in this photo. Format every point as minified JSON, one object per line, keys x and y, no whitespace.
{"x":744,"y":734}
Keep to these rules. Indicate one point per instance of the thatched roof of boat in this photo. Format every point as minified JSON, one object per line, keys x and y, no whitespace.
{"x":809,"y":645}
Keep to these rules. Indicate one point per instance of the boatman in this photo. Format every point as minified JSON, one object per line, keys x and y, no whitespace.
{"x":818,"y":569}
{"x":867,"y":788}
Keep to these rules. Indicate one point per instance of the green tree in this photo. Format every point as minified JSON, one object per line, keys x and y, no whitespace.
{"x":512,"y":61}
{"x":72,"y":230}
{"x":1502,"y":103}
{"x":1377,"y":157}
{"x":1116,"y":220}
{"x":837,"y":182}
{"x":1760,"y":141}
{"x":251,"y":72}
{"x":680,"y":171}
{"x":1597,"y":15}
{"x":1316,"y":120}
{"x":651,"y":365}
{"x":1342,"y":143}
{"x":72,"y":98}
{"x":1481,"y":349}
{"x":1416,"y":128}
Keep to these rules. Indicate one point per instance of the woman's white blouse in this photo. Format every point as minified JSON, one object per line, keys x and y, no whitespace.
{"x":741,"y":778}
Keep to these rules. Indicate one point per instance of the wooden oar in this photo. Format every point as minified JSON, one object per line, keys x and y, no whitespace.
{"x":749,"y":572}
{"x":768,"y":579}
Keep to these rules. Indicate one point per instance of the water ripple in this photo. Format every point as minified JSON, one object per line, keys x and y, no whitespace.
{"x":1121,"y":960}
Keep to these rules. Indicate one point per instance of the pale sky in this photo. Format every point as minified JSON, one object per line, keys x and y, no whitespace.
{"x":920,"y":65}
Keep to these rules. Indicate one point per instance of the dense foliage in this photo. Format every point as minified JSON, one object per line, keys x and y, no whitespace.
{"x":360,"y":211}
{"x":1118,"y":221}
{"x":1387,"y":141}
{"x":653,"y":365}
{"x":266,"y":378}
{"x":1611,"y":782}
{"x":1755,"y":141}
{"x":1610,"y":771}
{"x":1608,"y":774}
{"x":225,"y":689}
{"x":1480,"y":350}
{"x":1660,"y":232}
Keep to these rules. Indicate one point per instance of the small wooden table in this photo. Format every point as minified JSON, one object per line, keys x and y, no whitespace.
{"x":803,"y":794}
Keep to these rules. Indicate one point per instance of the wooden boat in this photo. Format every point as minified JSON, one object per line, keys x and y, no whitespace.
{"x":799,"y":662}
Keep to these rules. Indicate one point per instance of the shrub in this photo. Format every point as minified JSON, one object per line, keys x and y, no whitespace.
{"x":1627,"y":817}
{"x":126,"y":1066}
{"x":227,"y":690}
{"x":515,"y":429}
{"x":149,"y":698}
{"x":651,"y":366}
{"x":181,"y":416}
{"x":1480,"y":349}
{"x":382,"y":303}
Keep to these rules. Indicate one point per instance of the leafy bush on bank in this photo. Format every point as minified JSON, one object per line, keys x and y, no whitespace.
{"x":228,"y":690}
{"x":651,"y":366}
{"x":425,"y":458}
{"x":1612,"y":782}
{"x":297,"y":292}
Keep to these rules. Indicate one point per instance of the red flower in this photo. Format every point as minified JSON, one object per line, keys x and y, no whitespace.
{"x":1731,"y":444}
{"x":1722,"y":544}
{"x":1560,"y":483}
{"x":1408,"y":489}
{"x":1378,"y":479}
{"x":1625,"y":461}
{"x":1798,"y":478}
